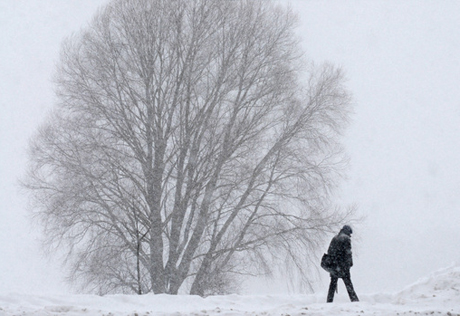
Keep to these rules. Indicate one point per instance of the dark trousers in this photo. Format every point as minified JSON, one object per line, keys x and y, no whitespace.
{"x":333,"y":287}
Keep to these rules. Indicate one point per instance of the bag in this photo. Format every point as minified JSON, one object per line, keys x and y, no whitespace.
{"x":327,"y":263}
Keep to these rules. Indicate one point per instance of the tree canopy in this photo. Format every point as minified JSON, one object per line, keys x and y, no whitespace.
{"x":191,"y":144}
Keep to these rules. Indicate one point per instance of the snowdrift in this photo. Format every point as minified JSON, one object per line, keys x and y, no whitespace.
{"x":442,"y":286}
{"x":438,"y":294}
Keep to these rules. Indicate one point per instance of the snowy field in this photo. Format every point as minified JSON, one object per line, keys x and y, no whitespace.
{"x":438,"y":294}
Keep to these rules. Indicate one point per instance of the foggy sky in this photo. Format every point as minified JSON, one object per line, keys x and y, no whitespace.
{"x":401,"y":61}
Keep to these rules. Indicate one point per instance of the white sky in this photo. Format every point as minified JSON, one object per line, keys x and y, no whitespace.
{"x":401,"y":59}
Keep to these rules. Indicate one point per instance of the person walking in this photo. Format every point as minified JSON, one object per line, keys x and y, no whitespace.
{"x":340,"y":254}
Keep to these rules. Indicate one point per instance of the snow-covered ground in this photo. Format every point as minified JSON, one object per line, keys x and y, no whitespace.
{"x":438,"y":294}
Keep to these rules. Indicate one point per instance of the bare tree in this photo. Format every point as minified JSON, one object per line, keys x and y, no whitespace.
{"x":190,"y":144}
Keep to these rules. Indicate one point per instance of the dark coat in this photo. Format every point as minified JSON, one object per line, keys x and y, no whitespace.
{"x":340,"y":251}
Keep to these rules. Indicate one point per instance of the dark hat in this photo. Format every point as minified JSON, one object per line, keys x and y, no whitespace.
{"x":347,"y":230}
